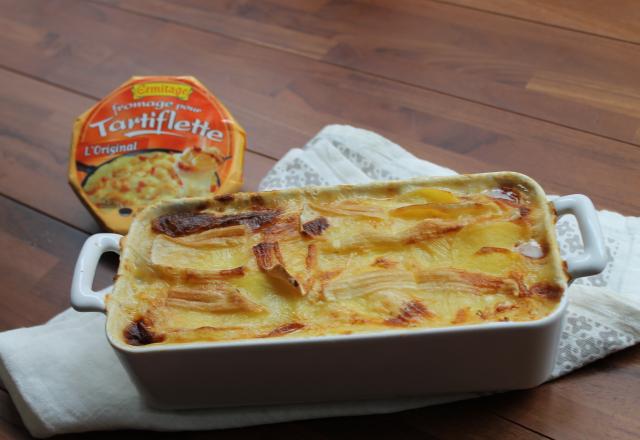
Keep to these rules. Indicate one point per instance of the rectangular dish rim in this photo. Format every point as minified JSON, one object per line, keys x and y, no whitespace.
{"x":377,"y":334}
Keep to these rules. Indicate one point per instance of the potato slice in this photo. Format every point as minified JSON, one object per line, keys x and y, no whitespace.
{"x":458,"y":280}
{"x":432,"y":195}
{"x":351,"y":208}
{"x":209,"y":253}
{"x":213,"y":298}
{"x":222,"y":237}
{"x":354,"y":285}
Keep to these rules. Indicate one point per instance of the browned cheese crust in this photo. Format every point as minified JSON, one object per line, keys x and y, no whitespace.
{"x":340,"y":261}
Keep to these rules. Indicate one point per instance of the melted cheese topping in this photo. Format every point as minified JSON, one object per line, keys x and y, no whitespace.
{"x":322,"y":262}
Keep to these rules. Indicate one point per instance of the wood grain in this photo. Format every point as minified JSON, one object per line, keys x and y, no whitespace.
{"x":595,"y":94}
{"x":37,"y":258}
{"x":619,"y":19}
{"x":284,"y":99}
{"x":463,"y":52}
{"x":600,"y":401}
{"x":35,"y":130}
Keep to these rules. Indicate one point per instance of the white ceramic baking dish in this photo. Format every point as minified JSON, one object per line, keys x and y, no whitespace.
{"x":394,"y":363}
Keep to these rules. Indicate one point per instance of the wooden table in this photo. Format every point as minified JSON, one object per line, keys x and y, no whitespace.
{"x":549,"y":88}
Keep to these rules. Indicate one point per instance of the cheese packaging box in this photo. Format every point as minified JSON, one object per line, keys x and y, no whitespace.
{"x":153,"y":138}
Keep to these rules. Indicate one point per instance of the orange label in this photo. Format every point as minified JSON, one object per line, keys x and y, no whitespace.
{"x":155,"y":138}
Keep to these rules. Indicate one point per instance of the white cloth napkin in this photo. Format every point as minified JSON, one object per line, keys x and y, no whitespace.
{"x":64,"y":377}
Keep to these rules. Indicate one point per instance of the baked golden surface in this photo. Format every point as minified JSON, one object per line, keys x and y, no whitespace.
{"x":296,"y":263}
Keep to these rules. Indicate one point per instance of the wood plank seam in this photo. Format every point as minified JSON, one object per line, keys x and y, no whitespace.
{"x":541,"y":434}
{"x":367,"y":73}
{"x":43,"y":213}
{"x":49,"y":83}
{"x":542,"y":23}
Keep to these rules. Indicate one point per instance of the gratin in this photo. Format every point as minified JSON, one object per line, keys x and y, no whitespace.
{"x":342,"y":260}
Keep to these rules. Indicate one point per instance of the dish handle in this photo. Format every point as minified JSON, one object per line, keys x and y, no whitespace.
{"x":594,"y":257}
{"x":83,"y":297}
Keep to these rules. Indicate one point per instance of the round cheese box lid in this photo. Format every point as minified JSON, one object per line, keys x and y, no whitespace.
{"x":151,"y":139}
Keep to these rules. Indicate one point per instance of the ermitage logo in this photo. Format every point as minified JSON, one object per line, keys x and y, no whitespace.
{"x":180,"y":91}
